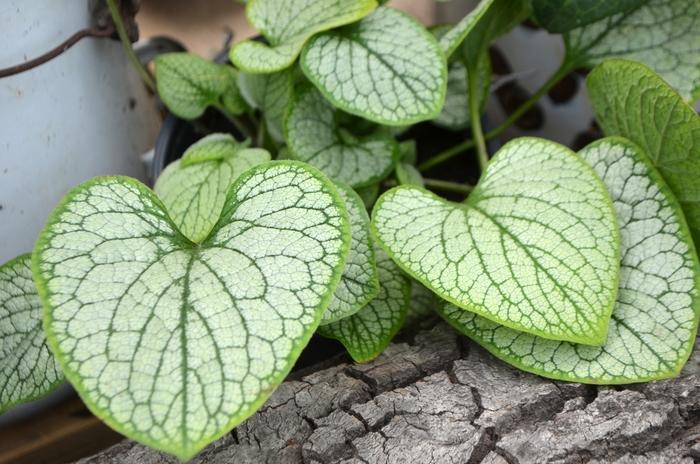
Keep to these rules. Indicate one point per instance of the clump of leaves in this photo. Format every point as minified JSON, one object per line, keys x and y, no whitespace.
{"x":176,"y":312}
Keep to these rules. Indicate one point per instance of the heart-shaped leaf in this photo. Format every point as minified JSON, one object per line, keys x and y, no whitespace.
{"x":313,"y":136}
{"x":359,"y":283}
{"x":28,"y":370}
{"x":631,"y":101}
{"x":564,"y":15}
{"x":475,"y":32}
{"x":173,"y":343}
{"x":271,"y":94}
{"x":287,"y":25}
{"x":663,"y":34}
{"x":386,"y":68}
{"x":194,"y":188}
{"x":366,"y":333}
{"x":653,"y":326}
{"x":534,"y":247}
{"x":188,"y":84}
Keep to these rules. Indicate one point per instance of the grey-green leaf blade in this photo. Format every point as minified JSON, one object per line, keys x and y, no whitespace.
{"x":360,"y":282}
{"x":366,"y":333}
{"x":386,"y":68}
{"x":194,"y":188}
{"x":287,"y":26}
{"x":663,"y":34}
{"x":633,"y":102}
{"x":28,"y":369}
{"x":271,"y":94}
{"x":455,"y":113}
{"x":564,"y":15}
{"x":173,"y":344}
{"x":535,"y":246}
{"x":654,"y":323}
{"x":312,"y":136}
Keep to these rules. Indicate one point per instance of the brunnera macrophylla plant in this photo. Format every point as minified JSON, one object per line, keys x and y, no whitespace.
{"x":175,"y":312}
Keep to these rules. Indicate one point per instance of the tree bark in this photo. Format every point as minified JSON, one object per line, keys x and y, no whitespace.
{"x":441,"y":399}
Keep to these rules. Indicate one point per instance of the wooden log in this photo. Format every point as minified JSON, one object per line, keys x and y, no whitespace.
{"x":441,"y":399}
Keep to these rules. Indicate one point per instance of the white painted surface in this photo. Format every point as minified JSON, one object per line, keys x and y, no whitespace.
{"x":65,"y":121}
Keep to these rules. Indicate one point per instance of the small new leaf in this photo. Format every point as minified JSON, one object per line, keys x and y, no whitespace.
{"x":194,"y":188}
{"x":366,"y":333}
{"x":663,"y":34}
{"x":534,"y":247}
{"x":287,"y":25}
{"x":188,"y":84}
{"x":633,"y":102}
{"x":171,"y":343}
{"x":28,"y":370}
{"x":653,"y":325}
{"x":359,"y":283}
{"x":313,"y":136}
{"x":386,"y":68}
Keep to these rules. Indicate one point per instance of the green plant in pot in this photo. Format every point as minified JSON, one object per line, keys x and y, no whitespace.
{"x":175,"y":312}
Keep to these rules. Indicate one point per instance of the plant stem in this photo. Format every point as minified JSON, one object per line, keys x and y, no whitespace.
{"x":559,"y":74}
{"x":448,"y":186}
{"x":128,"y":48}
{"x":451,"y":152}
{"x":239,"y":124}
{"x":445,"y":155}
{"x":475,"y":118}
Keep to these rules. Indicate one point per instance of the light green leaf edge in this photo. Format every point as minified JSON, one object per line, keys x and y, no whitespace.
{"x":194,"y":188}
{"x":630,"y":100}
{"x":350,"y":103}
{"x":16,"y":282}
{"x":311,"y":118}
{"x":473,"y":325}
{"x":360,"y":265}
{"x":103,"y":414}
{"x":495,"y":170}
{"x":666,"y":35}
{"x":390,"y":305}
{"x":259,"y":58}
{"x":187,"y":84}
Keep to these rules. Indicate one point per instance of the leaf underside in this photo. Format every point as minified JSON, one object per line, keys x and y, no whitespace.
{"x":633,"y":102}
{"x":173,"y":344}
{"x":653,"y":325}
{"x":194,"y":188}
{"x":386,"y":68}
{"x":359,"y":283}
{"x":369,"y":331}
{"x":287,"y":25}
{"x":663,"y":34}
{"x":28,"y":370}
{"x":312,"y":136}
{"x":535,"y":246}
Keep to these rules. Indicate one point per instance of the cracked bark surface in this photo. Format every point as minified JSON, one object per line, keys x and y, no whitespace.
{"x":441,"y":399}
